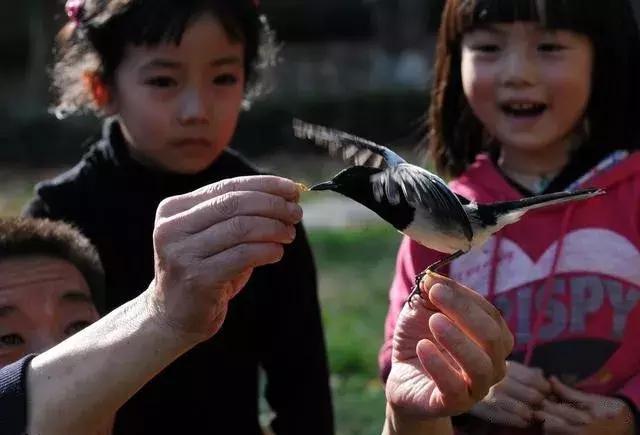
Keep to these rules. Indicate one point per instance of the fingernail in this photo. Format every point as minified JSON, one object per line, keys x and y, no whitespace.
{"x":441,"y":292}
{"x":295,"y":210}
{"x":291,"y":232}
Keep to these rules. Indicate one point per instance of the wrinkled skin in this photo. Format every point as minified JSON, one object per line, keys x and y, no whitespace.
{"x":450,"y":347}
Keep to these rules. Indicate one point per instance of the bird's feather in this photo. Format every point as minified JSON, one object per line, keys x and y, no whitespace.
{"x":421,"y":189}
{"x":352,"y":149}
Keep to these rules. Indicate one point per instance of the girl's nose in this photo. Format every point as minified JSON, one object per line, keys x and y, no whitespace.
{"x":518,"y":69}
{"x":193,"y":109}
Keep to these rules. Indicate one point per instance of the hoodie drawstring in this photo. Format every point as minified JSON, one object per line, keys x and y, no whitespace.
{"x":548,"y":286}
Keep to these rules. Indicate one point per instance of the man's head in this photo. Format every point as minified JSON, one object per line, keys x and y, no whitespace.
{"x":51,"y":285}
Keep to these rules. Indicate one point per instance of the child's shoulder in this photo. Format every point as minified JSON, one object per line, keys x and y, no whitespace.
{"x":83,"y":176}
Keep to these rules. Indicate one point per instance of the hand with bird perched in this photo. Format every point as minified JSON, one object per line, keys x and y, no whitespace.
{"x":449,"y":348}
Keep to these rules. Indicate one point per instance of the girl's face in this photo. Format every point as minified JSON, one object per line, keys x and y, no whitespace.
{"x":529,"y":86}
{"x":179,"y":104}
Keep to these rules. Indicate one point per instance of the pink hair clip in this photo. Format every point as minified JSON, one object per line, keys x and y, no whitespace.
{"x":73,"y":9}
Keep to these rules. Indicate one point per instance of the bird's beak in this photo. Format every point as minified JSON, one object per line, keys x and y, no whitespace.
{"x":328,"y":185}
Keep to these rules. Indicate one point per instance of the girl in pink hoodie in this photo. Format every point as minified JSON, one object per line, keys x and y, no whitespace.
{"x":530,"y":97}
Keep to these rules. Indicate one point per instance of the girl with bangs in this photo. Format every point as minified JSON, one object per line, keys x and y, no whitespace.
{"x":531,"y":97}
{"x":170,"y":78}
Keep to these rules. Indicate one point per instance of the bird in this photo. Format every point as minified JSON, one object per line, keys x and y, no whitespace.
{"x":417,"y":202}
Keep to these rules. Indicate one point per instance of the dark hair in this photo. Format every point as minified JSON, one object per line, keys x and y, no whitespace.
{"x":104,"y":28}
{"x":456,"y":135}
{"x":25,"y":237}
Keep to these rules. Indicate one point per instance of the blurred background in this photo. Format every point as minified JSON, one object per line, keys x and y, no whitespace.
{"x":359,"y":65}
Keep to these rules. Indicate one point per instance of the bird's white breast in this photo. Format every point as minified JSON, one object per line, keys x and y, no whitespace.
{"x":448,"y":241}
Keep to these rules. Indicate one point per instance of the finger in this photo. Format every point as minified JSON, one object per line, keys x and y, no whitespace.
{"x":230,"y":264}
{"x":553,"y":425}
{"x":433,"y":278}
{"x":449,"y":381}
{"x":515,"y":407}
{"x":472,"y":318}
{"x":278,"y":186}
{"x":521,"y":392}
{"x":529,"y":376}
{"x":238,"y":230}
{"x":470,"y":297}
{"x":496,"y":415}
{"x":229,"y":205}
{"x":472,"y":359}
{"x":568,"y":394}
{"x":567,"y":412}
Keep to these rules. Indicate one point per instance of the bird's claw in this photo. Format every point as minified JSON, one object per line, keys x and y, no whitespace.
{"x":415,"y":290}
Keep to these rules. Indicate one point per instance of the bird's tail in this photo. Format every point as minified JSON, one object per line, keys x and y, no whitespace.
{"x":540,"y":201}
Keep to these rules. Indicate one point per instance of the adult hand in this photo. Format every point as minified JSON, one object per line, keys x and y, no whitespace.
{"x":579,"y":413}
{"x":208,"y":242}
{"x":512,"y":401}
{"x":449,"y":349}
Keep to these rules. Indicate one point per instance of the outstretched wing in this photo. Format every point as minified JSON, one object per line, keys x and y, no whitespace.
{"x":422,"y":189}
{"x":350,"y":148}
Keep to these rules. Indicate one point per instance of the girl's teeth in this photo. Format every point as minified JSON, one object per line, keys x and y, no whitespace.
{"x":522,"y":106}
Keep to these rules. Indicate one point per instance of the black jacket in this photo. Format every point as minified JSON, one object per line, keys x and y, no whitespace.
{"x":274,"y":323}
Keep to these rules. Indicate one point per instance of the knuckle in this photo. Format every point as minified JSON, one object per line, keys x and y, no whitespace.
{"x":210,"y":190}
{"x":276,"y":203}
{"x":228,"y":204}
{"x":534,"y":396}
{"x":228,"y":185}
{"x":162,"y":232}
{"x":164,"y":207}
{"x":239,"y":228}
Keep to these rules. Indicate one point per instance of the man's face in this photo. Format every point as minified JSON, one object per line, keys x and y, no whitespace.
{"x":43,"y":300}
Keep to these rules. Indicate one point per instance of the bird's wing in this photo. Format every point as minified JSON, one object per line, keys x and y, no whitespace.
{"x":350,"y":148}
{"x":423,"y":189}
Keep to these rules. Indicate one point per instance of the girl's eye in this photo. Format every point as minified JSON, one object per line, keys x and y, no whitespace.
{"x":76,"y":327}
{"x":161,"y":82}
{"x":551,"y":47}
{"x":10,"y":340}
{"x":487,"y":48}
{"x":225,"y":80}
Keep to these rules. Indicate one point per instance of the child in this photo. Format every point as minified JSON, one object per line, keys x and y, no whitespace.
{"x":530,"y":97}
{"x":170,"y":78}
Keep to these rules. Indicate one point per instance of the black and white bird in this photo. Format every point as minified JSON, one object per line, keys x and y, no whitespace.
{"x":417,"y":202}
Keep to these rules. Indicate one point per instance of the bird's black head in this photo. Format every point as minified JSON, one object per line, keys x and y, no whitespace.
{"x":356,"y":183}
{"x":353,"y":182}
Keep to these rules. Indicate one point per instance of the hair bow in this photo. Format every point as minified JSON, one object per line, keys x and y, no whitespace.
{"x":73,"y":8}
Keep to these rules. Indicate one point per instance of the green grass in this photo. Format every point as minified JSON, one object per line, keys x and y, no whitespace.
{"x":355,"y":268}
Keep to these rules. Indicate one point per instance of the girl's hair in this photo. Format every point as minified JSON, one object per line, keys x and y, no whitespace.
{"x":94,"y":41}
{"x":456,"y":136}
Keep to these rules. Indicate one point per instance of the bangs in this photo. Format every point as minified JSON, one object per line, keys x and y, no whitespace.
{"x":581,"y":16}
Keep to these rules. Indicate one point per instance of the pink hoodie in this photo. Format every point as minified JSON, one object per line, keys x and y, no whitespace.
{"x":566,"y":278}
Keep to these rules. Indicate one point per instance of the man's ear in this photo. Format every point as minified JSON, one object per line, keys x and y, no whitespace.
{"x":101,"y":95}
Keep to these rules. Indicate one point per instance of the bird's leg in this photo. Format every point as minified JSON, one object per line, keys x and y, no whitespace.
{"x":415,"y":290}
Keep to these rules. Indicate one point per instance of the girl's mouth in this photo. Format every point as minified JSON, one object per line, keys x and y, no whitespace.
{"x":523,"y":109}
